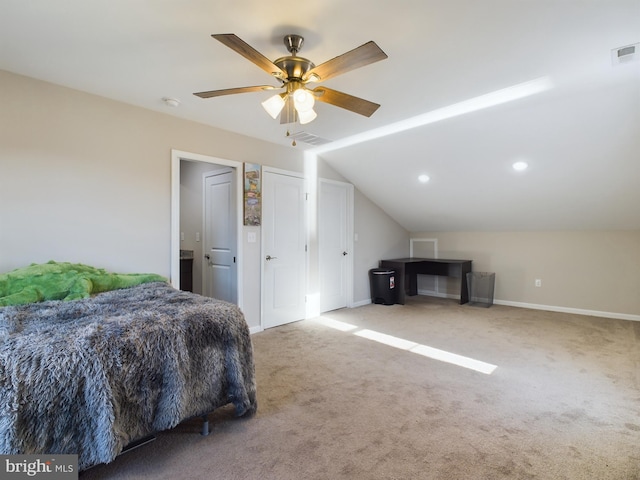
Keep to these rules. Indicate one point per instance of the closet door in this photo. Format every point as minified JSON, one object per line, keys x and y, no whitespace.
{"x":284,"y":271}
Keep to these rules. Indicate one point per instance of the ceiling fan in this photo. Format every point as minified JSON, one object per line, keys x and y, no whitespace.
{"x":295,"y":73}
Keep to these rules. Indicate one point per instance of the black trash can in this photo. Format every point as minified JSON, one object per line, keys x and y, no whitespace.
{"x":383,"y":286}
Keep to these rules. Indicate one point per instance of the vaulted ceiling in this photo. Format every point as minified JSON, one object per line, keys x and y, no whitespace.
{"x":468,"y":89}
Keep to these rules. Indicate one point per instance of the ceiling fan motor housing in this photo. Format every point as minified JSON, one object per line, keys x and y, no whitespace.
{"x":295,"y":67}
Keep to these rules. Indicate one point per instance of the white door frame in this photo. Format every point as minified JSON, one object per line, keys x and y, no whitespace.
{"x":176,"y":157}
{"x":350,"y":235}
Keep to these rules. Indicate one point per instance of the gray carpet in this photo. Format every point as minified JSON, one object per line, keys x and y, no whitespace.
{"x":563,"y":402}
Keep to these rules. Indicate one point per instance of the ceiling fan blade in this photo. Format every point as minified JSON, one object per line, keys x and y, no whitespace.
{"x":346,"y":101}
{"x":232,"y":91}
{"x":288,"y":113}
{"x":356,"y":58}
{"x":247,"y":51}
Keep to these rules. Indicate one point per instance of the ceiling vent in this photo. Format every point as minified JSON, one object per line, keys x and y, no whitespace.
{"x":309,"y":138}
{"x":627,"y":54}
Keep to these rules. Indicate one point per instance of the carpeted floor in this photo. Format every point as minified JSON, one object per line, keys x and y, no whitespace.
{"x":334,"y":403}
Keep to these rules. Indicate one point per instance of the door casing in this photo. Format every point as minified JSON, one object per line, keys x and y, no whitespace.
{"x":176,"y":157}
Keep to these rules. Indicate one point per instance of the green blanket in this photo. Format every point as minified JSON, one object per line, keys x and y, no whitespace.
{"x":63,"y":281}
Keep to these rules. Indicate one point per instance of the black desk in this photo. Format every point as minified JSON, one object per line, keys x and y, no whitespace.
{"x":407,"y":270}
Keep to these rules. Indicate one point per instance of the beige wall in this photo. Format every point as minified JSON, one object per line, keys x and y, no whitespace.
{"x":379,"y":237}
{"x":595,"y":271}
{"x":87,"y":179}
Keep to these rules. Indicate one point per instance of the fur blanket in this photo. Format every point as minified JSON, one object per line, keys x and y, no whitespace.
{"x":90,"y":376}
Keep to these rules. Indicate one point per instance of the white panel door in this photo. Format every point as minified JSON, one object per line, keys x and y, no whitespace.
{"x":220,"y":267}
{"x":284,"y":249}
{"x":334,"y":245}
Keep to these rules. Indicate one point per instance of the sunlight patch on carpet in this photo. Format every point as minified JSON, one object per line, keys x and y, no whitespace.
{"x":386,"y":339}
{"x":336,"y":324}
{"x":459,"y":360}
{"x":413,"y":347}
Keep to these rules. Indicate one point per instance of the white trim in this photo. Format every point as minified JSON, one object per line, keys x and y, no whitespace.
{"x":432,"y":240}
{"x":549,"y":308}
{"x":256,"y":329}
{"x":174,"y":255}
{"x":362,"y":303}
{"x":575,"y":311}
{"x":176,"y":156}
{"x":280,"y":171}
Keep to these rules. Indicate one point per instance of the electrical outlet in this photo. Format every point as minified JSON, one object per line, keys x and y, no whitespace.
{"x":538,"y":282}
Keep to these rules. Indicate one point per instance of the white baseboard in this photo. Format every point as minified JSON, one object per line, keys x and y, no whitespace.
{"x":576,"y":311}
{"x":256,"y":329}
{"x":361,"y":303}
{"x":549,"y":308}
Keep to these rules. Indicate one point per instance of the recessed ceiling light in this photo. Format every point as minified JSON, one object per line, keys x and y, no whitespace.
{"x":423,"y":178}
{"x":520,"y":166}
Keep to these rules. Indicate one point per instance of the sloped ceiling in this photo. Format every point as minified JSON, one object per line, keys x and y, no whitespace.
{"x":468,"y":89}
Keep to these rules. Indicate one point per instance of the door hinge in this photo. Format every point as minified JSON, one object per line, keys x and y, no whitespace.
{"x":306,"y":196}
{"x":305,"y":248}
{"x":234,"y":259}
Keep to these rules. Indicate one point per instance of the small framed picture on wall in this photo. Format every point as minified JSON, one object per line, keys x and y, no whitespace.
{"x":252,"y":194}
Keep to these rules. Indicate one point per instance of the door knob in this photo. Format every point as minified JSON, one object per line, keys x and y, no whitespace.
{"x":344,"y":253}
{"x":269,"y":257}
{"x":207,"y":256}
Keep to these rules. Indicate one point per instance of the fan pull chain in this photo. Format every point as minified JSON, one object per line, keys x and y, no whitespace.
{"x":293,"y":144}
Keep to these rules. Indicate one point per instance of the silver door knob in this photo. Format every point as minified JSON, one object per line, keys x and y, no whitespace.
{"x":269,"y":257}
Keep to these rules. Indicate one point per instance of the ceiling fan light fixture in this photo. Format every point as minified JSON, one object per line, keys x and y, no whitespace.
{"x":306,"y":116}
{"x":303,"y":100}
{"x":274,"y":105}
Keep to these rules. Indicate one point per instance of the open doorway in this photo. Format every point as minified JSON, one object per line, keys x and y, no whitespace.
{"x":189,"y":222}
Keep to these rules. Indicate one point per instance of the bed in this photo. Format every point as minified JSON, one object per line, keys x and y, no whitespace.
{"x":94,"y":375}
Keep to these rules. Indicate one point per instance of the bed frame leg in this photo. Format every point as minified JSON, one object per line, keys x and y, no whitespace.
{"x":205,"y":425}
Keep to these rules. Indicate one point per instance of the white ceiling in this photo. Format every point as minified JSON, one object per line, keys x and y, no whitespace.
{"x":579,"y":132}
